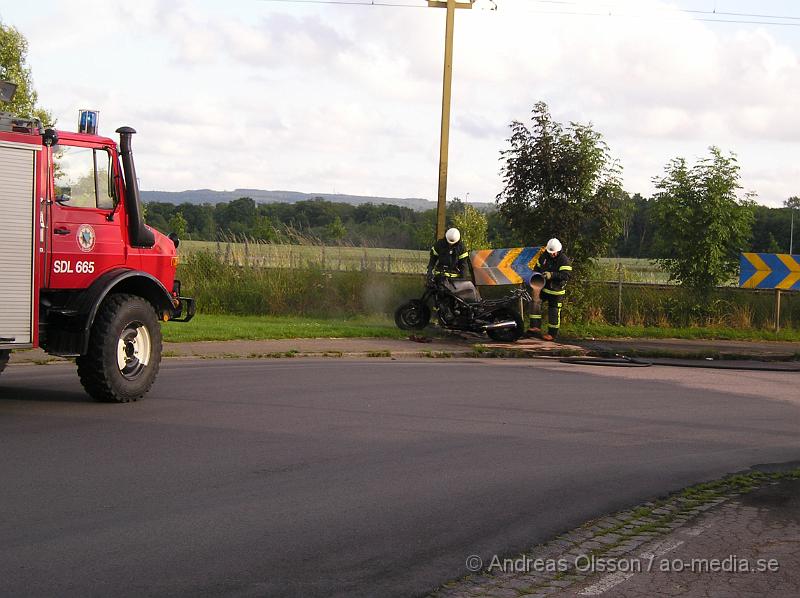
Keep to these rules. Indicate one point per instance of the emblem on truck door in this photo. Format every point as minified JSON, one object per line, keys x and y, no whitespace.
{"x":86,"y":237}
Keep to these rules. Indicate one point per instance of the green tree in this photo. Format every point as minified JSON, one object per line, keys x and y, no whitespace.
{"x":178,"y":224}
{"x":263,"y":230}
{"x":335,"y":231}
{"x":14,"y":68}
{"x":701,"y":224}
{"x":560,"y":181}
{"x":773,"y":246}
{"x":425,"y":231}
{"x":474,"y":227}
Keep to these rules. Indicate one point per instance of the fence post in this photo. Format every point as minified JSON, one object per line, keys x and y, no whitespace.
{"x":777,"y":310}
{"x":389,"y":264}
{"x":323,"y":258}
{"x":619,"y":293}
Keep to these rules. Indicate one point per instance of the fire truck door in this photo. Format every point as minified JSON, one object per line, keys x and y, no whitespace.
{"x":86,"y":232}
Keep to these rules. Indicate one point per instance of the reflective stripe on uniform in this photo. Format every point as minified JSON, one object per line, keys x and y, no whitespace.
{"x":463,"y":255}
{"x":565,"y":268}
{"x":549,"y":292}
{"x":449,"y":274}
{"x":558,"y":320}
{"x":433,"y":250}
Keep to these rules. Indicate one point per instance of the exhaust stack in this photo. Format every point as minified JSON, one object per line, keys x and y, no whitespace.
{"x":140,"y":235}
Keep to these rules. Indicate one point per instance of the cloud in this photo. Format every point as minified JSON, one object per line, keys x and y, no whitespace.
{"x":312,"y":97}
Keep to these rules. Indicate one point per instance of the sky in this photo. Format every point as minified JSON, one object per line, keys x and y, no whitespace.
{"x":328,"y":98}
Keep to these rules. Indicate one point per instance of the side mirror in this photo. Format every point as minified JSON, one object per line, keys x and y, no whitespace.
{"x":174,"y":238}
{"x":63,"y":194}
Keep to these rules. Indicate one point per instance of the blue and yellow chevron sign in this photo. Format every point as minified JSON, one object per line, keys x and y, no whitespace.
{"x":503,"y":266}
{"x":769,"y":271}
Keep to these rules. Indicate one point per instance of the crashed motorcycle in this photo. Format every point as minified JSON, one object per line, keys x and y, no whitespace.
{"x":459,"y":306}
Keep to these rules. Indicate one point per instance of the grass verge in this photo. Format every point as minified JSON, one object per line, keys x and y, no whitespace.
{"x":225,"y":327}
{"x":583,"y":331}
{"x":206,"y":327}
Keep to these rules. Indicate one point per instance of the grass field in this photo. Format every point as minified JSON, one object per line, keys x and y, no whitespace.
{"x":226,"y":327}
{"x":582,"y":331}
{"x":409,"y":261}
{"x":273,"y":255}
{"x":631,"y":269}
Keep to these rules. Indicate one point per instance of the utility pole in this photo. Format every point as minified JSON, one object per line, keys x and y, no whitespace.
{"x":451,"y":6}
{"x":792,"y":203}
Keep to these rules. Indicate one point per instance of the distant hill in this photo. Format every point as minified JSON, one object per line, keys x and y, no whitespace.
{"x":201,"y":196}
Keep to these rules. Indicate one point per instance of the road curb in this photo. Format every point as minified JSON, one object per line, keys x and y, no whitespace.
{"x":639,"y":530}
{"x":450,"y":346}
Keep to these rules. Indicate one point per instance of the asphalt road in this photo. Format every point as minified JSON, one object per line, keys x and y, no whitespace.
{"x":352,"y":478}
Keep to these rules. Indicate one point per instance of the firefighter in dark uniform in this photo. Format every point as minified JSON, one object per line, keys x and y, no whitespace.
{"x":448,"y":256}
{"x":448,"y":259}
{"x":556,"y":268}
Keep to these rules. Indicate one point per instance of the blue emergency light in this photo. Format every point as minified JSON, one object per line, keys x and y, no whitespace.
{"x":88,"y":121}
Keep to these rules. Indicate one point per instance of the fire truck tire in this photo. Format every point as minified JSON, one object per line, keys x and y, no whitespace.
{"x":124,"y":350}
{"x":4,"y":355}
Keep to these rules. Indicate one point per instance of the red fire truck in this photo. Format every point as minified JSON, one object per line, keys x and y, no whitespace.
{"x":82,"y":274}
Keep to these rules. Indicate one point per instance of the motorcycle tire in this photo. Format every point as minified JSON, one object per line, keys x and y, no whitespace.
{"x":413,"y":315}
{"x":507,"y":335}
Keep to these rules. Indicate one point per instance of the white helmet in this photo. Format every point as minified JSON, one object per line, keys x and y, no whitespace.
{"x":553,"y":246}
{"x":452,"y":235}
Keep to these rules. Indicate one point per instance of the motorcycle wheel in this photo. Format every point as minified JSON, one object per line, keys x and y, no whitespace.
{"x":413,"y":315}
{"x":507,"y":335}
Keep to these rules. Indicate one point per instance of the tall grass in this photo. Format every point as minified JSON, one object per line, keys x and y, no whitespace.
{"x":672,"y":306}
{"x":229,"y":288}
{"x":224,"y":285}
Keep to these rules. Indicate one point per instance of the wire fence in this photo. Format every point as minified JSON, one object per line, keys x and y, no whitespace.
{"x":370,"y":284}
{"x":325,"y":257}
{"x":310,"y":254}
{"x":659,"y":305}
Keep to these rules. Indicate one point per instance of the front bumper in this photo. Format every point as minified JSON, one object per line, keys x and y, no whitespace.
{"x":183,"y":311}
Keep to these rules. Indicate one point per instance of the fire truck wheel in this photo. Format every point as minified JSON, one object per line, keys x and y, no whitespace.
{"x":124,"y":350}
{"x":4,"y":359}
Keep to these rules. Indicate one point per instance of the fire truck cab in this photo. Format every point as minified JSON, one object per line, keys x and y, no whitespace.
{"x":82,"y":274}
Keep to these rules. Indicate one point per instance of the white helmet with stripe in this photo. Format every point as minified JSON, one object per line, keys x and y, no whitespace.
{"x":553,"y":246}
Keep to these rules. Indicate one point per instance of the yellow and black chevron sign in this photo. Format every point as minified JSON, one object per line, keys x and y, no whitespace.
{"x":503,"y":266}
{"x":769,"y":271}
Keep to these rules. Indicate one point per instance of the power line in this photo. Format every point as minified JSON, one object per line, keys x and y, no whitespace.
{"x":686,"y":10}
{"x":747,"y":18}
{"x":646,"y":16}
{"x":350,"y":3}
